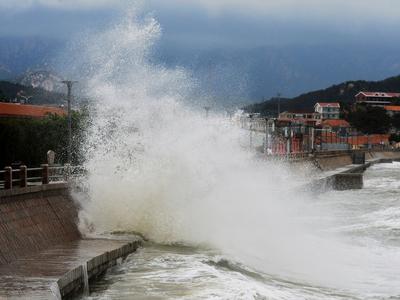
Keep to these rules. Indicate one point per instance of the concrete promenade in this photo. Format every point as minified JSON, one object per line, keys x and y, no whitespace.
{"x":61,"y":270}
{"x":42,"y":253}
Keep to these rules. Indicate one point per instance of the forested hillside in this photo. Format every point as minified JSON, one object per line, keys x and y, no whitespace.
{"x":343,"y":93}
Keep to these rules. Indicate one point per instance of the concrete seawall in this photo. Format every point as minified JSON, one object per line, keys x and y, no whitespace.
{"x":42,"y":253}
{"x":35,"y":218}
{"x":337,"y":159}
{"x":347,"y":175}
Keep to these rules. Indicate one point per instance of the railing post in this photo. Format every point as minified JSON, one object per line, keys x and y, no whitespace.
{"x":22,"y":176}
{"x":7,"y":178}
{"x":45,"y":174}
{"x":67,"y":171}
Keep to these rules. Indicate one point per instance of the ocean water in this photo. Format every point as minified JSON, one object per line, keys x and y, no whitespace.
{"x":367,"y":220}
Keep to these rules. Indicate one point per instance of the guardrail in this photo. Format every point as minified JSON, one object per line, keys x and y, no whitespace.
{"x":45,"y":174}
{"x":285,"y":138}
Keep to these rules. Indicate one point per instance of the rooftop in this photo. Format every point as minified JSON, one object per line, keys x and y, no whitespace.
{"x":379,"y":94}
{"x":336,"y":123}
{"x":24,"y":110}
{"x":328,"y":104}
{"x":392,"y":108}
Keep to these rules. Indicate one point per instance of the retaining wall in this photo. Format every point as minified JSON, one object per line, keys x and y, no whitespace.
{"x":349,"y":176}
{"x":333,"y":161}
{"x":35,"y":218}
{"x":337,"y":159}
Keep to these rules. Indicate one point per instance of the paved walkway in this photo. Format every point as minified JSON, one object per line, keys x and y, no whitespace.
{"x":36,"y":276}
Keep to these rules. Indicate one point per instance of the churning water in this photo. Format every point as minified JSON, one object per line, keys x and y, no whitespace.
{"x":367,"y":221}
{"x":222,"y":224}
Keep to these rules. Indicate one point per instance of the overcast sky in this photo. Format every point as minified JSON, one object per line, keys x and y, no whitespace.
{"x":216,"y":23}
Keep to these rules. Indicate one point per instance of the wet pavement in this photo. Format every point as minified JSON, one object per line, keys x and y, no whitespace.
{"x":36,"y":276}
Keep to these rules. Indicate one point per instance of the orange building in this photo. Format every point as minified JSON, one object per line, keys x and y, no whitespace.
{"x":372,"y":139}
{"x":16,"y":110}
{"x":335,"y":124}
{"x":392,"y":109}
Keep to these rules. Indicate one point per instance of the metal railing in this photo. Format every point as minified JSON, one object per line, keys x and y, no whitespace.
{"x":23,"y":176}
{"x":300,"y":140}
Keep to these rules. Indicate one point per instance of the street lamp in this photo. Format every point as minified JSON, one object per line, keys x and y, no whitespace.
{"x":69,"y":84}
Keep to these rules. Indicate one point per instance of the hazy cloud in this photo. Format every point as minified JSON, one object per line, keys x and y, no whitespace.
{"x":226,"y":23}
{"x":56,"y":4}
{"x":376,"y":10}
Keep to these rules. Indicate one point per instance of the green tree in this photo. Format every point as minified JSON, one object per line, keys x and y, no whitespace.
{"x":396,"y":121}
{"x":394,"y":138}
{"x":3,"y":97}
{"x":370,"y":119}
{"x":27,"y":140}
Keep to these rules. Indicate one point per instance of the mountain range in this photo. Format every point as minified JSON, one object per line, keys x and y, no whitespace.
{"x":230,"y":76}
{"x":10,"y":91}
{"x":19,"y":55}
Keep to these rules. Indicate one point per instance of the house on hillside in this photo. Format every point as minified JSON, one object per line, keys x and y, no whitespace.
{"x":17,"y":110}
{"x":376,"y":98}
{"x":327,"y":110}
{"x":300,"y":118}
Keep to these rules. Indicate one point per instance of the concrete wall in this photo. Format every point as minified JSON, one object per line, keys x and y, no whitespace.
{"x":383,"y":154}
{"x":35,"y":218}
{"x":337,"y":159}
{"x":334,"y":160}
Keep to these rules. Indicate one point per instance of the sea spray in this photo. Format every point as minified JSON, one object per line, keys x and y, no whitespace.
{"x":156,"y":165}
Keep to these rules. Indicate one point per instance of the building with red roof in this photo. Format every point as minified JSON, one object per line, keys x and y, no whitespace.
{"x":376,"y":98}
{"x":303,"y":118}
{"x":335,"y":124}
{"x":16,"y":110}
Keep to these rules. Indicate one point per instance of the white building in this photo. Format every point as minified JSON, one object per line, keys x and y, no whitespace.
{"x":328,"y":110}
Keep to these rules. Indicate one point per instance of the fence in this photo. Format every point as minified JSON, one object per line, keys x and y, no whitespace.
{"x":297,"y":139}
{"x":45,"y":174}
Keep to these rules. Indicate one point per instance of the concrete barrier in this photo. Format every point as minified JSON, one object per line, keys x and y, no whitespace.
{"x":337,"y":159}
{"x":333,"y":160}
{"x":348,"y":181}
{"x":351,"y":175}
{"x":358,"y":157}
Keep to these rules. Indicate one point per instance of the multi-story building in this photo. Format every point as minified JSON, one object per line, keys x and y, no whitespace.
{"x":328,"y":110}
{"x":376,"y":98}
{"x":300,"y":117}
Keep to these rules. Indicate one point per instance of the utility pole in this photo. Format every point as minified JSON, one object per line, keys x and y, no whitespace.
{"x":266,"y":145}
{"x":251,"y":131}
{"x":69,"y":84}
{"x":279,"y":104}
